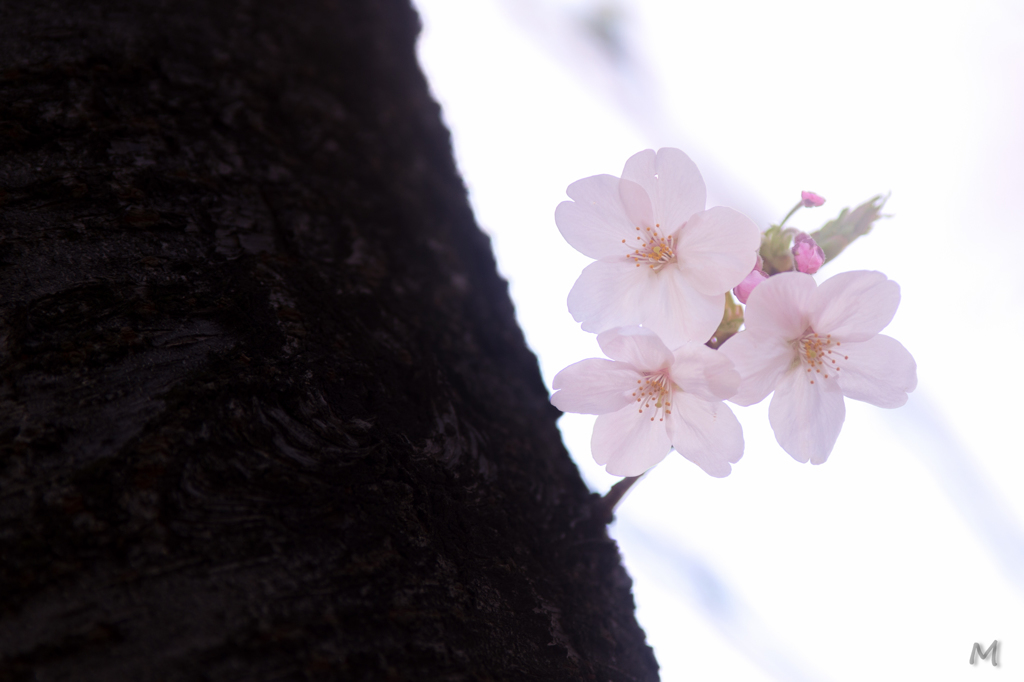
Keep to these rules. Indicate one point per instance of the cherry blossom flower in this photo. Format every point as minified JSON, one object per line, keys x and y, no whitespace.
{"x":651,"y":399}
{"x":807,"y":255}
{"x":662,"y":260}
{"x":812,"y":345}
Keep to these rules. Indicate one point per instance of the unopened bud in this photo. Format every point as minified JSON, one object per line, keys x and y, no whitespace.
{"x":810,"y":199}
{"x":743,"y":289}
{"x":807,"y":255}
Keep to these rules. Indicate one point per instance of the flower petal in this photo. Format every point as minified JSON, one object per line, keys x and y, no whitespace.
{"x":678,"y":312}
{"x":879,"y":371}
{"x":806,"y":417}
{"x":595,"y":222}
{"x":706,"y":433}
{"x":611,"y":293}
{"x":629,"y":443}
{"x":672,"y":181}
{"x":594,"y":386}
{"x":717,"y":248}
{"x":854,"y":306}
{"x":705,"y":373}
{"x":637,"y":203}
{"x":760,"y":363}
{"x":637,"y":346}
{"x":781,"y":306}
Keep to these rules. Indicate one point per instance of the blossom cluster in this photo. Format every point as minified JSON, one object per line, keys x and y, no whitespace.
{"x":659,"y":295}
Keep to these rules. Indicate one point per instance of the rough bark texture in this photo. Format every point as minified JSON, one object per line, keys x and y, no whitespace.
{"x":264,"y":410}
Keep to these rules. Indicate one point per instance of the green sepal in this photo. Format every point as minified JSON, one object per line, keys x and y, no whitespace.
{"x":731,"y":322}
{"x":775,"y":250}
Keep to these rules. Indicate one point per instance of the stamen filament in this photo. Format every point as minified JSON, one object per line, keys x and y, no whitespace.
{"x":815,"y":352}
{"x":656,"y":251}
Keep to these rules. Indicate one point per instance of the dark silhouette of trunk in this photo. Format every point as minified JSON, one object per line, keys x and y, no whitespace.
{"x":265,"y":413}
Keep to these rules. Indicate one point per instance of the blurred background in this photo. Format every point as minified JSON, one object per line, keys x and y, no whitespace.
{"x":904,"y":549}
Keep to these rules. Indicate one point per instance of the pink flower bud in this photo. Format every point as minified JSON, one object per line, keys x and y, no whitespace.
{"x":810,"y":199}
{"x":807,"y":254}
{"x":743,"y":289}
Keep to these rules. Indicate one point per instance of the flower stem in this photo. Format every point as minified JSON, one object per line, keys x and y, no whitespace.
{"x":790,"y":214}
{"x":607,"y":505}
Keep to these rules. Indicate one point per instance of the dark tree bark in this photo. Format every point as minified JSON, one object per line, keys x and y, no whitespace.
{"x":264,"y":409}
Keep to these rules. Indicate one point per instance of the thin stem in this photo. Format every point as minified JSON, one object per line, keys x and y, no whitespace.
{"x":790,"y":214}
{"x":607,"y":505}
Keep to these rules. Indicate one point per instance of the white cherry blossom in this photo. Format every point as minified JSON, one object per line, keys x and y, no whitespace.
{"x":651,"y":399}
{"x":662,"y":260}
{"x":812,"y":345}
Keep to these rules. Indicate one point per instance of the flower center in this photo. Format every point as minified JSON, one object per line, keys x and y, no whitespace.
{"x":654,"y":393}
{"x":820,"y":355}
{"x":655,"y":250}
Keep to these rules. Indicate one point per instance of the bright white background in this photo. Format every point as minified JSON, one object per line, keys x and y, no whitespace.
{"x":891,"y":559}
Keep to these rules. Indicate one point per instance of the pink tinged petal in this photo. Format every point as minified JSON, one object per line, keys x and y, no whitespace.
{"x":595,"y":222}
{"x":879,"y":371}
{"x":749,"y":283}
{"x":810,"y":199}
{"x":717,"y":248}
{"x":637,"y":204}
{"x":594,"y":386}
{"x":806,"y":417}
{"x":642,"y":168}
{"x":637,"y":346}
{"x":610,"y":293}
{"x":677,"y":192}
{"x":854,"y":306}
{"x":678,"y":312}
{"x":705,"y":373}
{"x":761,"y":362}
{"x":628,"y":442}
{"x":781,"y":306}
{"x":705,"y":432}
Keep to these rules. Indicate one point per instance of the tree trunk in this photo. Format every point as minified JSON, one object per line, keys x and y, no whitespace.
{"x":265,"y":413}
